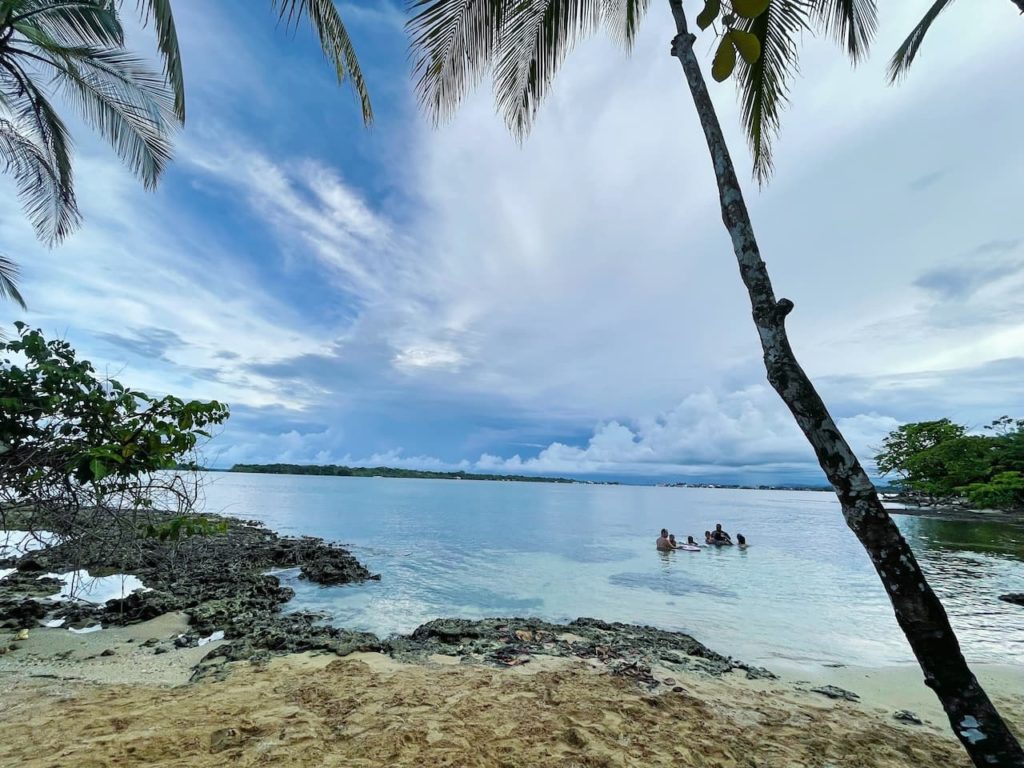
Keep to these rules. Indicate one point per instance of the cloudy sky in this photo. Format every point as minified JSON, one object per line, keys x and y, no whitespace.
{"x":446,"y":298}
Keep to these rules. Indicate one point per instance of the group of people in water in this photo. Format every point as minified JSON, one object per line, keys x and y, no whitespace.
{"x":716,"y":538}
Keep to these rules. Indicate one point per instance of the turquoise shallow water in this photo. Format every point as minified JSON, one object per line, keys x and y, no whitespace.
{"x":804,"y":591}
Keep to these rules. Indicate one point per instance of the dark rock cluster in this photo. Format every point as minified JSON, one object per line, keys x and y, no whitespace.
{"x":220,"y":579}
{"x":627,"y":649}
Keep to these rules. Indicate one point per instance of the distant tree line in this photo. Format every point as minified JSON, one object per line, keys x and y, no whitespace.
{"x":336,"y":470}
{"x":937,"y":462}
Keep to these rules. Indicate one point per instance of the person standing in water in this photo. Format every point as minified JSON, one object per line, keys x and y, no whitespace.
{"x":663,"y":544}
{"x":719,"y":536}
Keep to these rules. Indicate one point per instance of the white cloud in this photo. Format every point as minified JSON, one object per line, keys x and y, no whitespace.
{"x":581,"y":279}
{"x":705,"y":432}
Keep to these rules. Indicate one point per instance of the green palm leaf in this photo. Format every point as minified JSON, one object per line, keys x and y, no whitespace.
{"x":764,"y":84}
{"x":70,"y":22}
{"x":452,"y":43}
{"x":622,"y":19}
{"x":8,"y":282}
{"x":334,"y":40}
{"x":126,"y":102}
{"x":167,"y":43}
{"x":75,"y":46}
{"x":906,"y":53}
{"x":852,"y":23}
{"x":533,"y":40}
{"x":36,"y":151}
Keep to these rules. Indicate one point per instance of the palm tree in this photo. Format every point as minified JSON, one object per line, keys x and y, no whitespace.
{"x":74,"y":48}
{"x":524,"y":41}
{"x":322,"y":15}
{"x":907,"y":52}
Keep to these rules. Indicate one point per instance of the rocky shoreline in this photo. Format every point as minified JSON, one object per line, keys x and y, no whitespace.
{"x":221,"y":582}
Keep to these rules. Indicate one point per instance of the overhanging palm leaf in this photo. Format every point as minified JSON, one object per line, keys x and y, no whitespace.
{"x":334,"y":40}
{"x":906,"y":53}
{"x":75,"y":46}
{"x":764,"y":85}
{"x":126,"y":102}
{"x":533,"y":41}
{"x":8,"y":286}
{"x":525,"y":41}
{"x":167,"y":43}
{"x":36,"y":150}
{"x":623,"y":18}
{"x":453,"y":41}
{"x":851,"y":22}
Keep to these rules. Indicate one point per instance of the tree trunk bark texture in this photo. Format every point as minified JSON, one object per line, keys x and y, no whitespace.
{"x":918,"y":610}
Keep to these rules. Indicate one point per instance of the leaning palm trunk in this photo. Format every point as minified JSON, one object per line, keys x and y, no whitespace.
{"x":975,"y":720}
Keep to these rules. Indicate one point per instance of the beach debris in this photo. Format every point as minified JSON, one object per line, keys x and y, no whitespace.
{"x":834,"y":692}
{"x":225,"y":738}
{"x":212,"y":638}
{"x":108,"y":652}
{"x":86,"y":630}
{"x":22,"y":635}
{"x":908,"y":717}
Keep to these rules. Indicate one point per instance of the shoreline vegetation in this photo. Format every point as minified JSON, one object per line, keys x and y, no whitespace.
{"x":340,"y":470}
{"x":205,"y":668}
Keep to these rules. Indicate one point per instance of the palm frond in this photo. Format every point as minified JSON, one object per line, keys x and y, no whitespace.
{"x":907,"y":52}
{"x":764,"y":85}
{"x":36,"y":150}
{"x":129,"y":104}
{"x":452,"y":42}
{"x":334,"y":40}
{"x":167,"y":43}
{"x":69,"y":22}
{"x":622,"y":19}
{"x":8,"y":282}
{"x":533,"y":41}
{"x":852,"y":23}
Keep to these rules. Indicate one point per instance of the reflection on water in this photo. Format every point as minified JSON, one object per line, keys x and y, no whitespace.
{"x":926,"y":533}
{"x":969,"y":565}
{"x":805,"y":590}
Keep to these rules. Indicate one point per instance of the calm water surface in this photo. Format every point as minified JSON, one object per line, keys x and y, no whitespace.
{"x":804,"y":591}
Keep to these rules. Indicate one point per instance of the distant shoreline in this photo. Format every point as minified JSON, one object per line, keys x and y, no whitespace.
{"x":337,"y":470}
{"x":340,"y":470}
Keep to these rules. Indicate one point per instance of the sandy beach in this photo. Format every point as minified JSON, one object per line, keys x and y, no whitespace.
{"x":107,"y":699}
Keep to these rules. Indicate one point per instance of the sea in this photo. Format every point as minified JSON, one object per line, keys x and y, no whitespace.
{"x":803,"y":593}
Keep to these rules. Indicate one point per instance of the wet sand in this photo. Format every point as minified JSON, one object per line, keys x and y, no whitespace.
{"x":134,"y":708}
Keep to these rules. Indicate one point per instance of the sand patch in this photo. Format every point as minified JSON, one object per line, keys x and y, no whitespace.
{"x":319,"y":711}
{"x":113,"y":655}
